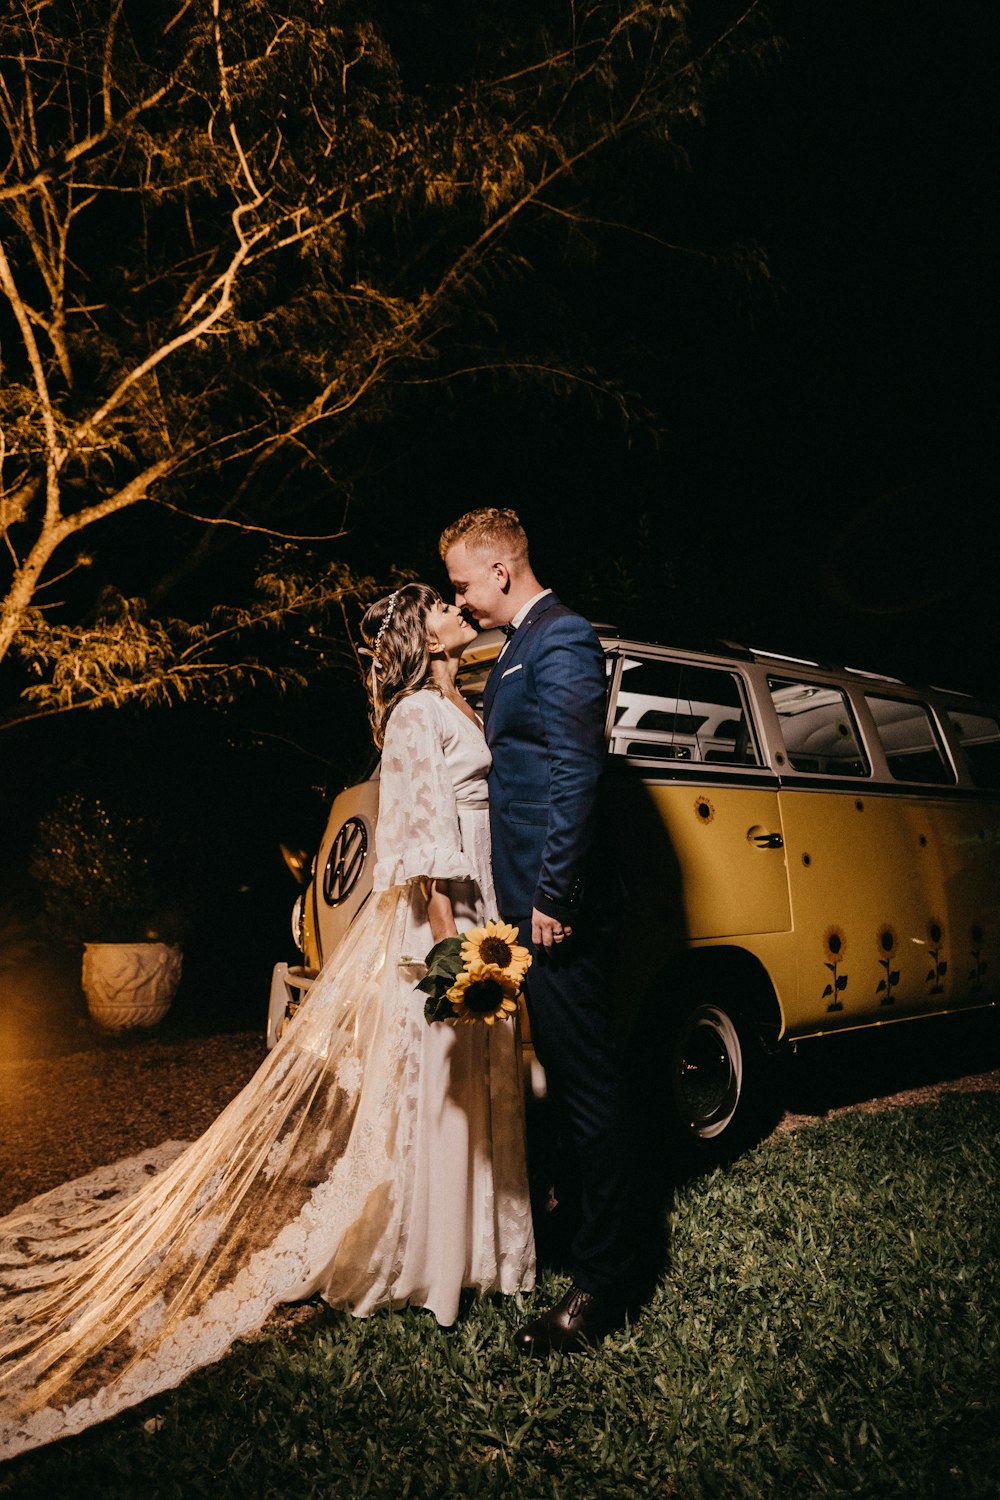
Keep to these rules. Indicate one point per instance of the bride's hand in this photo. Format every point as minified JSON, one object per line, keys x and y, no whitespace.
{"x":440,"y":913}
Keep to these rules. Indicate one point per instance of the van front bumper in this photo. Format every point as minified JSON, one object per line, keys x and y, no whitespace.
{"x":290,"y":984}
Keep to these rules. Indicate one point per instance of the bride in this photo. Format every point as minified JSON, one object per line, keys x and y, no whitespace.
{"x":373,"y":1159}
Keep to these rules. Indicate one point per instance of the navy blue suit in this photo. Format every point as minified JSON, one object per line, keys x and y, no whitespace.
{"x":544,"y":709}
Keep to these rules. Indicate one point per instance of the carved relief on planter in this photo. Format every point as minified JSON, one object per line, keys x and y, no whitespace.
{"x":130,"y":984}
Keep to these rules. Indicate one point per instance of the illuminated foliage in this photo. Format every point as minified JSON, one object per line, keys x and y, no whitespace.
{"x":231,"y":233}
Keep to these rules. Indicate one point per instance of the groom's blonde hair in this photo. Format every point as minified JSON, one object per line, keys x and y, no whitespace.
{"x":487,"y":529}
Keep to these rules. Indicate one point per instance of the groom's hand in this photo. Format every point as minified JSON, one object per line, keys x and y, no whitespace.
{"x":546,"y":931}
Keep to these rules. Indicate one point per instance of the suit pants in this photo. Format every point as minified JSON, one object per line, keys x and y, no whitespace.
{"x":568,"y":994}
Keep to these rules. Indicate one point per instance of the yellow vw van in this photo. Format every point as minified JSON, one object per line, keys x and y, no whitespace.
{"x":806,"y":849}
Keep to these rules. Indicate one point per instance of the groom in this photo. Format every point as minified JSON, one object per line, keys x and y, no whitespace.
{"x":544,"y":711}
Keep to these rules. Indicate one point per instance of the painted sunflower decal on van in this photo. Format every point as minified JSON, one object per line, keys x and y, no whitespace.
{"x":939,"y":965}
{"x":886,"y":943}
{"x":835,"y":947}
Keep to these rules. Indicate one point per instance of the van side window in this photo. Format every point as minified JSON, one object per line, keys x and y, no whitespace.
{"x":667,"y":710}
{"x":979,"y":737}
{"x":911,"y":745}
{"x":817,"y":727}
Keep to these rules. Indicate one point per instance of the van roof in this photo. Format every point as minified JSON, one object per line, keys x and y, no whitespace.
{"x":489,"y":642}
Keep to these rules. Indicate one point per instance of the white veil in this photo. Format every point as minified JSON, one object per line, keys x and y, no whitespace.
{"x":298,"y":1185}
{"x":118,"y":1287}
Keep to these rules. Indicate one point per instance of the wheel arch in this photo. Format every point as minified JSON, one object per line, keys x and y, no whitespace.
{"x":699,"y":970}
{"x":701,"y":1058}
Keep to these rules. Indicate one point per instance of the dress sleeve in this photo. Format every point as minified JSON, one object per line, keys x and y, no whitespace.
{"x":418,"y":834}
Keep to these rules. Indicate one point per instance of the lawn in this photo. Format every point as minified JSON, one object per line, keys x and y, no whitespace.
{"x":827,"y":1324}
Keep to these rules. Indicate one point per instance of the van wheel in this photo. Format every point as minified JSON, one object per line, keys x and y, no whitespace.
{"x":706,"y":1072}
{"x":705,"y":1084}
{"x":721,"y":1080}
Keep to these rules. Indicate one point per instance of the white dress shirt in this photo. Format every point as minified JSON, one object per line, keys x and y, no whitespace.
{"x":522,"y":614}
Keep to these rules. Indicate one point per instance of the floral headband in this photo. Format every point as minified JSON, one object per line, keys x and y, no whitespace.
{"x":373,"y":652}
{"x":390,"y":611}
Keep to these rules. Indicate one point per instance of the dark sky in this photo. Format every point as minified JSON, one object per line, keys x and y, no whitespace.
{"x":823,"y":483}
{"x":822,"y":479}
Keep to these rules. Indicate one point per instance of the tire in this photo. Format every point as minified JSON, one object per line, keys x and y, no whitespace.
{"x":722,"y":1095}
{"x":706,"y":1072}
{"x":707,"y":1080}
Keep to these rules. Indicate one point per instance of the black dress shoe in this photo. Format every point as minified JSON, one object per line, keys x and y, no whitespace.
{"x":579,"y":1320}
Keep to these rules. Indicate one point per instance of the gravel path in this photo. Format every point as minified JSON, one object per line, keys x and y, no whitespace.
{"x":64,"y":1115}
{"x":973,"y":1083}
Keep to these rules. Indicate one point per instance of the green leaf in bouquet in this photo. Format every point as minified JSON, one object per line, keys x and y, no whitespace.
{"x":445,"y":959}
{"x":444,"y":963}
{"x":438,"y":1008}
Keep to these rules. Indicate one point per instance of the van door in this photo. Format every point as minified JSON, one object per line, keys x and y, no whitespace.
{"x":956,"y":828}
{"x":867,"y":878}
{"x":694,"y":811}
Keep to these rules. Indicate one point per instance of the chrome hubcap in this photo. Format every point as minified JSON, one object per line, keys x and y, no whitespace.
{"x":708,"y":1071}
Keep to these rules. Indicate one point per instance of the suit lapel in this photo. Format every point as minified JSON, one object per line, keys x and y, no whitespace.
{"x":516,"y":648}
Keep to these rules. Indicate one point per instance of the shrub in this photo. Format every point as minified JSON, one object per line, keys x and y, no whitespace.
{"x":110,"y":874}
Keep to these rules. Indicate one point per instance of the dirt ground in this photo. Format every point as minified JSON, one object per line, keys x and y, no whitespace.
{"x":72,"y":1098}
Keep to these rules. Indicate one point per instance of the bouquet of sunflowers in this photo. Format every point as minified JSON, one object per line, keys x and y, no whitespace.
{"x":476,"y":976}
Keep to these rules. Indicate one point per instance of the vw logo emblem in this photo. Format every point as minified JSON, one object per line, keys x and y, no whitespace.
{"x":346,"y":861}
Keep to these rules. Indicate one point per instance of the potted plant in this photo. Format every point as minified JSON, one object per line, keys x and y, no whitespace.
{"x":113,"y":879}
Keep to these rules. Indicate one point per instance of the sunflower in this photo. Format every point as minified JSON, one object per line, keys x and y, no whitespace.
{"x":835,"y":944}
{"x":886,"y":941}
{"x":495,"y":945}
{"x":935,"y":932}
{"x":483,"y":992}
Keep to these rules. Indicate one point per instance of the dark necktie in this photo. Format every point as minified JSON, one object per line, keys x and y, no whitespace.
{"x":508,"y":630}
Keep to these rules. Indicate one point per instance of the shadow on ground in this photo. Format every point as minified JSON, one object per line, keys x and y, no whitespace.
{"x":838,"y":1071}
{"x":812,"y":1081}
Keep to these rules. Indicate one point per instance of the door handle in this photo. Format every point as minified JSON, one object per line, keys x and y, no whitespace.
{"x":765,"y":840}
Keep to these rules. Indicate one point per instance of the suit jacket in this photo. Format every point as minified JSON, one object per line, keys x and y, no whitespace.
{"x":543,"y":712}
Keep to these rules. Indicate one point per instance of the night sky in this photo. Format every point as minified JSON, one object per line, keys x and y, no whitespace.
{"x":822,"y":480}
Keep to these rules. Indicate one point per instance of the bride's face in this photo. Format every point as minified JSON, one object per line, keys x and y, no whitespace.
{"x":448,"y":629}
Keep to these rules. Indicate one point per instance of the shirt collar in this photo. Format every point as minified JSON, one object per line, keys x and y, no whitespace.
{"x":522,"y":613}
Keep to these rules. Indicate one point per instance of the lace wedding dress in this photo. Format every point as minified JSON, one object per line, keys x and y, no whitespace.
{"x":373,"y":1159}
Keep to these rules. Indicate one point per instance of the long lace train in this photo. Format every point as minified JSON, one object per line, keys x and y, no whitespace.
{"x":303,"y":1184}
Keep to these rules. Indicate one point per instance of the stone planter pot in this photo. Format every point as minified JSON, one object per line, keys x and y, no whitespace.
{"x":130,"y":984}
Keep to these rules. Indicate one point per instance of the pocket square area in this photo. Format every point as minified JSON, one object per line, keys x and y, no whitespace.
{"x":510,"y":670}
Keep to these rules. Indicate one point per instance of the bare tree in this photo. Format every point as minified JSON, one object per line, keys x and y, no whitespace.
{"x":226,"y":232}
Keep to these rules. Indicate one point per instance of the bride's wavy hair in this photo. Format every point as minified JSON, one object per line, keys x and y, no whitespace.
{"x":395,"y":629}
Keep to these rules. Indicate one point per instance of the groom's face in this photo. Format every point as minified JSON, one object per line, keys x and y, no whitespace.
{"x":481,"y":585}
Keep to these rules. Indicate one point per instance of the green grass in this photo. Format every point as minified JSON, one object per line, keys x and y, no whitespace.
{"x":827,"y":1325}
